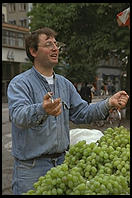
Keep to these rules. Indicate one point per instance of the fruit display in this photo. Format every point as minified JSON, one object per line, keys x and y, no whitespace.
{"x":101,"y":168}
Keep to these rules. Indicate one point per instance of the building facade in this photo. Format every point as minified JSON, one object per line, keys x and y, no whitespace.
{"x":13,"y":42}
{"x":13,"y":53}
{"x":17,"y":14}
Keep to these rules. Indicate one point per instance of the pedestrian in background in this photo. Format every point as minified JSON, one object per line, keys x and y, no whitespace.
{"x":41,"y":103}
{"x":86,"y":93}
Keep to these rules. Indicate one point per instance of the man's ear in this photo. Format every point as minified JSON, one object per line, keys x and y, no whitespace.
{"x":33,"y":52}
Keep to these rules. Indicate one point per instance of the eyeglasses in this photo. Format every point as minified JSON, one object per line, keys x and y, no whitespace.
{"x":51,"y":45}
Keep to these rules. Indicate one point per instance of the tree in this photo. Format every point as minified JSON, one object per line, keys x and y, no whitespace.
{"x":90,"y":32}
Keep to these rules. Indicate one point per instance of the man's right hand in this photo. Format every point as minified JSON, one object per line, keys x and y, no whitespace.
{"x":52,"y":108}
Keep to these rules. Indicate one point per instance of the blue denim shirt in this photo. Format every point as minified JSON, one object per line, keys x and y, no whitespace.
{"x":33,"y":131}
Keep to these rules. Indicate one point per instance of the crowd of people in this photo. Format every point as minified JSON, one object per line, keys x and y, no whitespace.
{"x":88,"y":91}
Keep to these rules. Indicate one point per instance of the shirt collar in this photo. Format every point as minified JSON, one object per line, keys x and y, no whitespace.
{"x":39,"y":75}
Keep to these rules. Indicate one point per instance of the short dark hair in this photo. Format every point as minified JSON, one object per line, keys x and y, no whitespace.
{"x":32,"y":39}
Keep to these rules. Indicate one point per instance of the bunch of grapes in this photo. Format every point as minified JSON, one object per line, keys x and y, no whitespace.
{"x":105,"y":184}
{"x":101,"y":168}
{"x":58,"y":181}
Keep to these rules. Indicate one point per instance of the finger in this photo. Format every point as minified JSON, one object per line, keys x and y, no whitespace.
{"x":55,"y":111}
{"x":124,"y":97}
{"x":123,"y":94}
{"x":123,"y":100}
{"x":57,"y":108}
{"x":55,"y":103}
{"x":58,"y":113}
{"x":121,"y":104}
{"x":48,"y":95}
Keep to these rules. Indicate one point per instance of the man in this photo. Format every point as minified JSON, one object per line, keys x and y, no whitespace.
{"x":41,"y":103}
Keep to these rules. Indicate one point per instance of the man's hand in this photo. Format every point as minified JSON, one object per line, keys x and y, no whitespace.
{"x":119,"y":100}
{"x":52,"y":107}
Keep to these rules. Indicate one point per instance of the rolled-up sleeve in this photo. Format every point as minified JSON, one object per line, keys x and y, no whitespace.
{"x":23,"y":112}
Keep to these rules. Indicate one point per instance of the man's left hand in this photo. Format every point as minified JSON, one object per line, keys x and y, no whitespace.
{"x":119,"y":100}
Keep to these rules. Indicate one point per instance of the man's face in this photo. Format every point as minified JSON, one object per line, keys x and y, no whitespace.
{"x":47,"y":53}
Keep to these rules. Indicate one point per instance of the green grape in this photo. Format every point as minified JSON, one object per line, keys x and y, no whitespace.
{"x":53,"y":192}
{"x":76,"y":192}
{"x":69,"y":176}
{"x":106,"y":156}
{"x":88,"y":167}
{"x":64,"y":179}
{"x":116,"y":163}
{"x":101,"y":154}
{"x":64,"y":167}
{"x":58,"y":181}
{"x":94,"y":170}
{"x":30,"y":192}
{"x":54,"y":182}
{"x":38,"y":192}
{"x":119,"y":166}
{"x":111,"y":156}
{"x":93,"y":162}
{"x":61,"y":174}
{"x":62,"y":186}
{"x":59,"y":191}
{"x":109,"y":141}
{"x":92,"y":145}
{"x":36,"y":184}
{"x":87,"y":174}
{"x":127,"y":166}
{"x":109,"y":186}
{"x":123,"y":170}
{"x":81,"y":187}
{"x":70,"y":184}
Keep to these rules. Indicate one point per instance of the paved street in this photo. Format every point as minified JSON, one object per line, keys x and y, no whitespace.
{"x":7,"y":159}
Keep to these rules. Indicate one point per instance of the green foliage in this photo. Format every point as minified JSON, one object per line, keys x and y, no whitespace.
{"x":89,"y":30}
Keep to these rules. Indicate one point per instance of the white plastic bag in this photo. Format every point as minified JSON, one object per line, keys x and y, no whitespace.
{"x":90,"y":135}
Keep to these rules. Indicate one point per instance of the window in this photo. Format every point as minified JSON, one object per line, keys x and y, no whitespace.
{"x":14,"y":39}
{"x":20,"y":39}
{"x":13,"y":22}
{"x":12,"y":7}
{"x":23,"y":22}
{"x":22,"y":6}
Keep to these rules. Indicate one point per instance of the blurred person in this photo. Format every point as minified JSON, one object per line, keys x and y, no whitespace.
{"x":41,"y":103}
{"x":93,"y":90}
{"x":86,"y":93}
{"x":102,"y":91}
